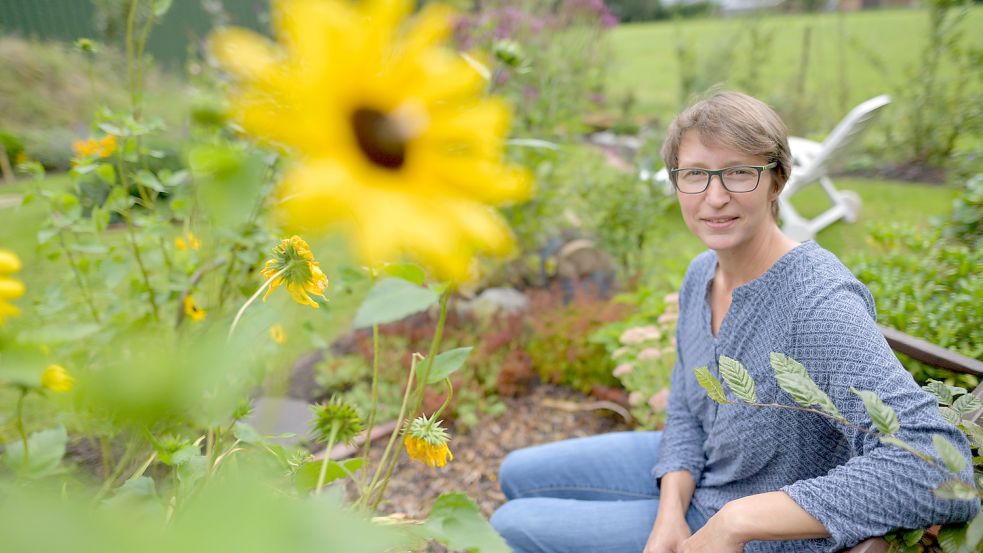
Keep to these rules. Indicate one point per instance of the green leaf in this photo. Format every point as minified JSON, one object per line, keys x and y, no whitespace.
{"x":973,"y":431}
{"x":192,"y":469}
{"x":883,"y":417}
{"x":56,"y":334}
{"x":137,"y":496}
{"x":952,"y":538}
{"x":160,"y":7}
{"x":966,"y":403}
{"x":891,"y":440}
{"x":306,"y":477}
{"x":246,"y":433}
{"x":949,"y":453}
{"x":786,"y":365}
{"x":950,"y":415}
{"x":406,"y":271}
{"x":100,"y":219}
{"x":150,"y":180}
{"x":738,"y":379}
{"x":710,"y":383}
{"x":229,"y":182}
{"x":801,"y":388}
{"x":956,"y":489}
{"x":447,"y":362}
{"x":45,"y":450}
{"x":391,"y":299}
{"x":456,"y":522}
{"x":911,"y":537}
{"x":974,"y":532}
{"x":940,"y":391}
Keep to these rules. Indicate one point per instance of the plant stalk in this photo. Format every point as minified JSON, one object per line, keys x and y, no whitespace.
{"x":235,"y":322}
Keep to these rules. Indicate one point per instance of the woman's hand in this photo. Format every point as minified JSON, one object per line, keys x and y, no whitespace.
{"x":717,"y":536}
{"x":667,"y":537}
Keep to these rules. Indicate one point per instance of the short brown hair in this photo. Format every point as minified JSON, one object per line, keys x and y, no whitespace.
{"x":739,"y":122}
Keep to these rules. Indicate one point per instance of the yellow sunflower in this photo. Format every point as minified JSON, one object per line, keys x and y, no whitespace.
{"x":394,"y":139}
{"x":293,"y":264}
{"x":10,"y":289}
{"x":189,"y":240}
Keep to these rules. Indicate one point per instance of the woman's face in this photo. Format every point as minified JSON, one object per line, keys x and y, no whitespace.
{"x":725,"y":221}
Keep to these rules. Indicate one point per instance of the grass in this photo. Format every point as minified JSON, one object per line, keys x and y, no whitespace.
{"x":646,"y":63}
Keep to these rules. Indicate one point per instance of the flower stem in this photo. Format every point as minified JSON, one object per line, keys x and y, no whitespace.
{"x":371,"y":488}
{"x":450,"y":396}
{"x":20,"y":426}
{"x":86,"y":295}
{"x":374,"y":406}
{"x":235,"y":322}
{"x":327,"y":458}
{"x":434,"y":346}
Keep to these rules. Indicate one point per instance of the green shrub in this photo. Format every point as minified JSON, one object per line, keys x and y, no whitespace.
{"x":966,"y":222}
{"x":928,"y":288}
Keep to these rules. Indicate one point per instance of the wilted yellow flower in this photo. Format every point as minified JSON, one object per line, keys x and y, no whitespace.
{"x":10,"y":289}
{"x":300,"y":272}
{"x":396,"y":143}
{"x":277,"y":334}
{"x":192,"y":310}
{"x":91,"y":147}
{"x":189,"y":240}
{"x":426,"y":441}
{"x":57,"y":379}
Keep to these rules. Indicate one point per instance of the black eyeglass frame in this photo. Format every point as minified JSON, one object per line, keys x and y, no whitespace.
{"x":720,"y":174}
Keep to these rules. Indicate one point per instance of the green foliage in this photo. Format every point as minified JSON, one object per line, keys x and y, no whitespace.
{"x":710,"y":383}
{"x":448,"y":362}
{"x":456,"y":522}
{"x":738,"y":379}
{"x":883,"y":417}
{"x":392,"y":299}
{"x":965,"y":225}
{"x":928,"y":288}
{"x":794,"y":379}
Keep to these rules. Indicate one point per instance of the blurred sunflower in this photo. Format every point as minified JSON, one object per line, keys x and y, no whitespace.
{"x":10,"y":289}
{"x":395,"y":142}
{"x":188,"y":241}
{"x":91,"y":147}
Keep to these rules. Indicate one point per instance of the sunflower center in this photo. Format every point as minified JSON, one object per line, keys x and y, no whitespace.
{"x":380,"y":138}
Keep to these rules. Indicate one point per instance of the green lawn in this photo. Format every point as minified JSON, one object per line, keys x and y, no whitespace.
{"x":644,"y":57}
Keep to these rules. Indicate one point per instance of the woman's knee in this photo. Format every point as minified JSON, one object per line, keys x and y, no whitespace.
{"x":512,"y":521}
{"x":514,"y":472}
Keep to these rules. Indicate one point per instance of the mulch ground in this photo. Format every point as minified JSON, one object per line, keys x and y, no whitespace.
{"x":479,"y":451}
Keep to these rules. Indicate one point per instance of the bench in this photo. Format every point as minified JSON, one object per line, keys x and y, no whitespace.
{"x":936,"y":356}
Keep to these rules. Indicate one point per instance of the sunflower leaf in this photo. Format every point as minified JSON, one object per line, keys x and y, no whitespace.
{"x":738,"y":379}
{"x":710,"y":383}
{"x":883,"y":417}
{"x":456,"y":522}
{"x":447,"y":362}
{"x":390,"y":300}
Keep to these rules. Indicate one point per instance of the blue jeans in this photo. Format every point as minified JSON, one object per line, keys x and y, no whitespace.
{"x":590,"y":495}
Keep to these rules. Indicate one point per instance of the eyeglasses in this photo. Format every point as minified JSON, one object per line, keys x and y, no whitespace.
{"x":741,"y":178}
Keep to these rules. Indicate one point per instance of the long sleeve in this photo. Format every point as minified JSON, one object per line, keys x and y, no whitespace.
{"x":882,"y":487}
{"x":682,"y":442}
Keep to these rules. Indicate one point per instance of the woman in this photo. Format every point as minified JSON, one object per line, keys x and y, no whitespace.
{"x":731,"y":478}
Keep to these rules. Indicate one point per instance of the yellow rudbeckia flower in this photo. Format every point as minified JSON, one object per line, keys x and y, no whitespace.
{"x":188,"y":241}
{"x":426,"y":441}
{"x":277,"y":334}
{"x":293,"y":264}
{"x":10,"y":289}
{"x":394,"y":139}
{"x":91,"y":147}
{"x":57,"y":379}
{"x":192,"y":310}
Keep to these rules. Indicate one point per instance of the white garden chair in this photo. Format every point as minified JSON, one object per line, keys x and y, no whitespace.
{"x":811,"y":162}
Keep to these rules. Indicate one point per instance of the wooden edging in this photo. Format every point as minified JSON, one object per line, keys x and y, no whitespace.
{"x":929,"y":353}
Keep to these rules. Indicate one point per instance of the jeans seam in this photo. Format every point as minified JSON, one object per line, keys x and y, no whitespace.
{"x":525,"y":493}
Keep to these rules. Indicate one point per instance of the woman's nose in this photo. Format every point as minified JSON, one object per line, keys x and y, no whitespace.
{"x":716,"y":194}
